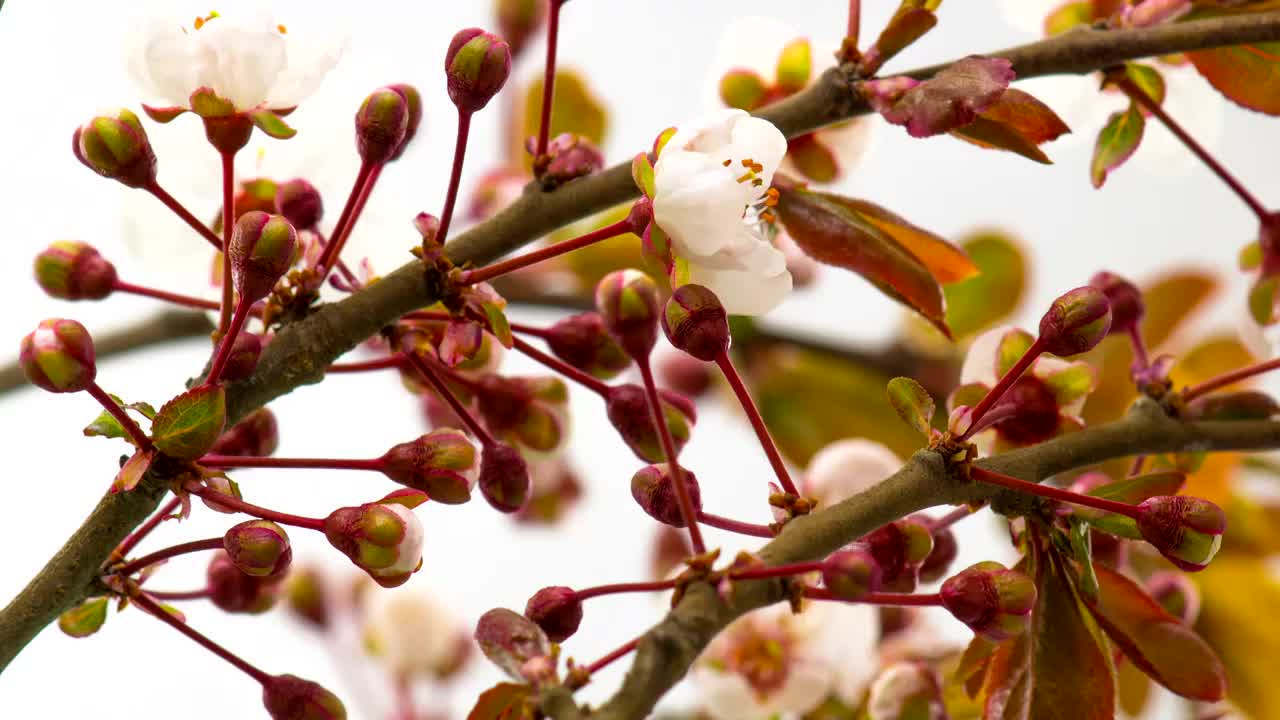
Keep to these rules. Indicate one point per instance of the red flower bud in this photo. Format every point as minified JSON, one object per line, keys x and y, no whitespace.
{"x":71,"y":270}
{"x":696,"y":322}
{"x":382,"y":124}
{"x":413,"y":99}
{"x":653,"y":489}
{"x":628,"y":304}
{"x":244,"y":357}
{"x":510,"y":640}
{"x":899,"y":548}
{"x":628,"y":410}
{"x":58,"y":356}
{"x":569,"y":157}
{"x":993,"y":601}
{"x":305,"y":595}
{"x":442,"y":464}
{"x":851,"y":574}
{"x":684,"y":374}
{"x":116,"y":146}
{"x":944,"y":552}
{"x":557,"y":610}
{"x":504,"y":477}
{"x":1124,"y":298}
{"x":1034,"y":413}
{"x":1186,"y":530}
{"x":382,"y":538}
{"x":288,"y":697}
{"x":1075,"y":322}
{"x":476,"y":66}
{"x":582,"y":341}
{"x":255,"y":436}
{"x":300,"y":203}
{"x":261,"y":251}
{"x":258,"y":547}
{"x":230,"y":590}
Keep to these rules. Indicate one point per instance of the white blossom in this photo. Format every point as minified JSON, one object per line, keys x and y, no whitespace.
{"x":412,"y":632}
{"x":409,"y":549}
{"x":847,"y":467}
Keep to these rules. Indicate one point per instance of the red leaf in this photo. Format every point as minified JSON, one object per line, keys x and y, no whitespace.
{"x":906,"y":26}
{"x":504,"y":701}
{"x":1017,"y":122}
{"x":1157,"y":642}
{"x":950,"y":99}
{"x":1248,"y":75}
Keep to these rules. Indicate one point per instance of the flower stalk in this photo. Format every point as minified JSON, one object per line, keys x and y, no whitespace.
{"x":737,"y":526}
{"x":498,"y":269}
{"x":1002,"y":386}
{"x":757,"y":422}
{"x":110,"y":405}
{"x":228,"y":226}
{"x":669,"y":450}
{"x":170,"y":552}
{"x":262,"y":513}
{"x":145,"y":529}
{"x":1230,"y":378}
{"x":426,"y":371}
{"x":185,"y":215}
{"x":153,"y":608}
{"x":549,"y":77}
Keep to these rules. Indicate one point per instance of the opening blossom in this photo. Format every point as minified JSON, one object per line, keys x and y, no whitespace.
{"x":847,"y":467}
{"x":712,"y":183}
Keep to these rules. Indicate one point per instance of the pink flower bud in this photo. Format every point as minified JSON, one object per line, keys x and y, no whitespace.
{"x":510,"y":640}
{"x":382,"y":124}
{"x":304,"y":593}
{"x":261,"y":251}
{"x":654,"y":490}
{"x":1186,"y":530}
{"x":518,"y":20}
{"x":72,"y":270}
{"x":288,"y":697}
{"x":851,"y":574}
{"x":244,"y":357}
{"x":569,"y":157}
{"x":258,"y":547}
{"x":116,"y":146}
{"x":628,"y":304}
{"x":1125,"y":299}
{"x":582,"y":341}
{"x":696,"y":322}
{"x":476,"y":66}
{"x":504,"y":477}
{"x":255,"y":436}
{"x":1034,"y":414}
{"x":684,"y":374}
{"x":413,"y":99}
{"x":944,"y":552}
{"x":628,"y":411}
{"x":993,"y":601}
{"x":300,"y":203}
{"x":230,"y":590}
{"x":557,"y":610}
{"x":58,"y":356}
{"x":442,"y":463}
{"x":382,"y":538}
{"x":1075,"y":322}
{"x":899,"y":548}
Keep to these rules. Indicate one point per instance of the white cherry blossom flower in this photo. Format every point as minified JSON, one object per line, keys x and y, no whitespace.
{"x":243,"y":51}
{"x":847,"y":467}
{"x":711,"y":187}
{"x":413,"y":633}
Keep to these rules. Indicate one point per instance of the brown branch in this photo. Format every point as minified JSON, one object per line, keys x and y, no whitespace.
{"x":300,"y":352}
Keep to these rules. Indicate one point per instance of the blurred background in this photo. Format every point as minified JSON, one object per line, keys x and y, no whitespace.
{"x":647,"y":66}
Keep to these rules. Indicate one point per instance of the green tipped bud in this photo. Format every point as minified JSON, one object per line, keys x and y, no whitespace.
{"x":231,"y":590}
{"x":413,"y":100}
{"x":696,"y":322}
{"x":382,"y":538}
{"x":382,"y":124}
{"x":582,"y":341}
{"x":1186,"y":530}
{"x":628,"y":410}
{"x":258,"y":547}
{"x":993,"y":601}
{"x":628,"y":304}
{"x":72,"y":270}
{"x":557,"y":610}
{"x":476,"y":67}
{"x":900,"y":548}
{"x":1076,"y":322}
{"x":299,"y":202}
{"x":443,"y":464}
{"x":653,"y":488}
{"x":58,"y":356}
{"x":262,"y":249}
{"x":1125,"y":299}
{"x":288,"y":697}
{"x":851,"y":574}
{"x":504,"y":477}
{"x":116,"y":146}
{"x":305,"y":596}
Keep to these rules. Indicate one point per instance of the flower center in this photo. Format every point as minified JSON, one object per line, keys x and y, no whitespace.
{"x":760,"y":209}
{"x":761,"y":657}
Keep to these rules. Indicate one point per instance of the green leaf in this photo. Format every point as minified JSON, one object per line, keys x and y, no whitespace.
{"x":1136,"y":489}
{"x":498,"y":324}
{"x":906,"y":26}
{"x":504,"y":701}
{"x":106,"y":425}
{"x":272,"y":124}
{"x":981,"y":301}
{"x":133,"y":470}
{"x":84,"y":619}
{"x":794,"y":66}
{"x":1117,"y":141}
{"x":144,"y":408}
{"x":912,"y":403}
{"x":1068,"y":16}
{"x":1117,"y":525}
{"x":1013,"y":345}
{"x":1018,"y":123}
{"x":188,"y":425}
{"x":1148,"y":79}
{"x":1165,"y":648}
{"x":1082,"y":549}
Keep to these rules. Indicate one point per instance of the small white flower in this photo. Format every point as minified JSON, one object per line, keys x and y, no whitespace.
{"x":409,"y":549}
{"x":900,"y":684}
{"x":711,"y":183}
{"x":244,"y":52}
{"x":412,"y":632}
{"x":847,"y":467}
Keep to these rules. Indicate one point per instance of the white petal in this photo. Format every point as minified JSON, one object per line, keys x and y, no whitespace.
{"x":847,"y":467}
{"x":980,"y":360}
{"x":852,"y":142}
{"x":743,"y":292}
{"x":308,"y":59}
{"x":727,"y":696}
{"x":240,"y":63}
{"x":709,"y":132}
{"x":417,"y":634}
{"x":807,"y":685}
{"x":410,"y":546}
{"x":758,"y":140}
{"x":698,"y":203}
{"x":163,"y":61}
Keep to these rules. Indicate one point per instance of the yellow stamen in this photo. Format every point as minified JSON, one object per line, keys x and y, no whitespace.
{"x":727,"y":163}
{"x":283,"y":30}
{"x":200,"y":21}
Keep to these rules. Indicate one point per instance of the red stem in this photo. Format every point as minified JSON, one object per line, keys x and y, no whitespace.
{"x":255,"y":510}
{"x":1140,"y":96}
{"x":455,"y":175}
{"x":181,"y":549}
{"x":1048,"y":491}
{"x":673,"y":462}
{"x":228,"y":225}
{"x":1139,"y":347}
{"x":1136,"y":467}
{"x":425,"y":369}
{"x":145,"y":529}
{"x":757,"y":423}
{"x":228,"y":341}
{"x":139,"y":438}
{"x":200,"y":594}
{"x":440,"y":316}
{"x":333,"y":246}
{"x":538,"y":332}
{"x":396,"y":360}
{"x":1229,"y":378}
{"x":951,"y":518}
{"x":1005,"y":382}
{"x":185,"y":215}
{"x":621,"y":651}
{"x":742,"y":528}
{"x":549,"y":78}
{"x":586,"y":380}
{"x":855,"y":20}
{"x":239,"y":461}
{"x":174,"y":298}
{"x":776,"y":571}
{"x":489,"y":272}
{"x":152,"y":607}
{"x":340,"y":242}
{"x":617,"y":588}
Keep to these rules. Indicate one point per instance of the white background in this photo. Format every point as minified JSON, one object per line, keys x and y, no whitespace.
{"x":59,"y":63}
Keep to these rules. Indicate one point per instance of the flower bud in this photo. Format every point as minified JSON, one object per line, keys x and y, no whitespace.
{"x":518,"y":20}
{"x":696,"y":322}
{"x":72,"y":270}
{"x":1186,"y":530}
{"x":628,"y":409}
{"x":304,"y":592}
{"x":653,"y":489}
{"x":382,"y":538}
{"x":258,"y":547}
{"x":382,"y":124}
{"x":1033,"y":412}
{"x":993,"y":601}
{"x":261,"y":250}
{"x":510,"y":640}
{"x":851,"y":574}
{"x":907,"y":690}
{"x":442,"y":464}
{"x":899,"y":548}
{"x":413,"y":99}
{"x":568,"y":157}
{"x":628,"y":304}
{"x":557,"y":610}
{"x":288,"y":697}
{"x":300,"y":203}
{"x":582,"y":341}
{"x":476,"y":67}
{"x":255,"y":436}
{"x":1076,"y":322}
{"x":58,"y":356}
{"x":1125,"y":299}
{"x":230,"y":590}
{"x":944,"y":552}
{"x":684,"y":374}
{"x":243,"y":359}
{"x":504,"y":477}
{"x":116,"y":146}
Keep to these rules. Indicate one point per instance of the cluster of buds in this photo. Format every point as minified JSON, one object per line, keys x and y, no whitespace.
{"x":654,"y":491}
{"x":386,"y":122}
{"x":531,"y":412}
{"x":382,"y":538}
{"x":568,"y":157}
{"x":995,"y":602}
{"x":443,"y":464}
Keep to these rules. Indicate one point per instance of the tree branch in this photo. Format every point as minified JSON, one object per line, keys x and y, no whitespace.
{"x":301,"y":351}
